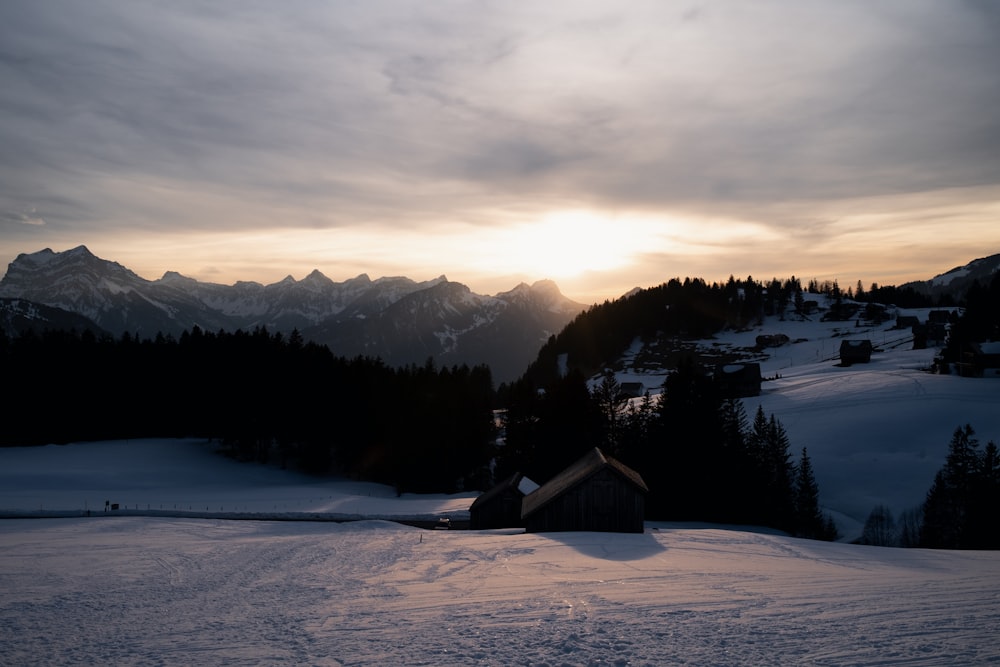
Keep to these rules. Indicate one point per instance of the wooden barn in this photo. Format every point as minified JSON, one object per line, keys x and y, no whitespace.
{"x":738,"y":380}
{"x":500,"y":507}
{"x":855,"y":352}
{"x":597,"y":493}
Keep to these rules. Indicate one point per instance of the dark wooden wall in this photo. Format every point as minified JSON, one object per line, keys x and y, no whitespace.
{"x":603,"y":502}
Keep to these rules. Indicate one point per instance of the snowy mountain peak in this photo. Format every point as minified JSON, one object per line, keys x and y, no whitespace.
{"x":396,"y":318}
{"x":316,"y":278}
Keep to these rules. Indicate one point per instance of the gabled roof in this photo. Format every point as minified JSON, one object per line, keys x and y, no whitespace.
{"x":591,"y":463}
{"x":516,"y":482}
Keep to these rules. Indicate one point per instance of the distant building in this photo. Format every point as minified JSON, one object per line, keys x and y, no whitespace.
{"x":500,"y":507}
{"x":771,"y":340}
{"x":632,"y":389}
{"x":597,"y":493}
{"x":855,"y":352}
{"x":980,"y":360}
{"x":738,"y":380}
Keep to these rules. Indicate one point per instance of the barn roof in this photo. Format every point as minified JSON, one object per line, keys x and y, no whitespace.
{"x":517,"y":482}
{"x":592,"y":462}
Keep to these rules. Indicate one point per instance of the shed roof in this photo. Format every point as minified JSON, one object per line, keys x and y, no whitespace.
{"x":517,"y":482}
{"x":591,"y":463}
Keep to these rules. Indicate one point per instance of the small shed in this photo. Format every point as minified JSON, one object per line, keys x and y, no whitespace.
{"x":855,"y":352}
{"x":632,"y":389}
{"x":738,"y":380}
{"x":597,"y":493}
{"x":500,"y":507}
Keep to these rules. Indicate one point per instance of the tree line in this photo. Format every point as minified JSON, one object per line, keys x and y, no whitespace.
{"x":263,"y":396}
{"x":960,"y":510}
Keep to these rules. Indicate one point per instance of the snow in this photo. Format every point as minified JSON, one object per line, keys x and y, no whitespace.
{"x":154,"y":591}
{"x":172,"y":578}
{"x":526,"y":486}
{"x":121,"y":588}
{"x":944,"y":279}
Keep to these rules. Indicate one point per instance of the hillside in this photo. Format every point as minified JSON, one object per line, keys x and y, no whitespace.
{"x":876,"y":433}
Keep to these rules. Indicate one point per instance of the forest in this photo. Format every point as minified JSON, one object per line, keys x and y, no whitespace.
{"x":264,"y":396}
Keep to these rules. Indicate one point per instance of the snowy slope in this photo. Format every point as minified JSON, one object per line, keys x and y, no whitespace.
{"x":876,"y":433}
{"x":149,"y":591}
{"x":116,"y":588}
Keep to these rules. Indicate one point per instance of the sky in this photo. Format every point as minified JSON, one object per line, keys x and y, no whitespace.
{"x":599,"y":144}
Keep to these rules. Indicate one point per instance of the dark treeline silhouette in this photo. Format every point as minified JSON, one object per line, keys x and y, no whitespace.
{"x":263,"y":396}
{"x":980,"y":321}
{"x":700,"y":456}
{"x":961,"y":510}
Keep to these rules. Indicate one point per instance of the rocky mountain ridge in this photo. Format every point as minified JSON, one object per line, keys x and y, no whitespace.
{"x":397,"y":319}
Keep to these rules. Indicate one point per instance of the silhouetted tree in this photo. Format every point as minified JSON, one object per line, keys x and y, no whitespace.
{"x":880,"y":528}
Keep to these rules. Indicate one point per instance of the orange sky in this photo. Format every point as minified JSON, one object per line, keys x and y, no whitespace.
{"x":603,"y":146}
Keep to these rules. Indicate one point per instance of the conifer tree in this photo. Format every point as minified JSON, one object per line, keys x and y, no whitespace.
{"x":948,"y":500}
{"x":984,"y":501}
{"x":809,"y":520}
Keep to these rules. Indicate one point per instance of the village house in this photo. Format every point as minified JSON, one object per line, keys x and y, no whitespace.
{"x":738,"y":380}
{"x":596,"y":493}
{"x":855,"y":352}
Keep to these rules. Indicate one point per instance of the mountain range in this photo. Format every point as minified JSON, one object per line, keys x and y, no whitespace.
{"x":396,"y":319}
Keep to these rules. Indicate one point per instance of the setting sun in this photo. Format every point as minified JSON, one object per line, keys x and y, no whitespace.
{"x":569,"y":243}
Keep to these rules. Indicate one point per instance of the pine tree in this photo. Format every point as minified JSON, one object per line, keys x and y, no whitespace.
{"x":948,"y":500}
{"x":809,"y":521}
{"x":612,"y":404}
{"x":983,"y":518}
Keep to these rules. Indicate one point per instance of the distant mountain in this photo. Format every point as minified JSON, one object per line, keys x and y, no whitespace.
{"x":398,"y":319}
{"x":956,"y":282}
{"x":19,"y":315}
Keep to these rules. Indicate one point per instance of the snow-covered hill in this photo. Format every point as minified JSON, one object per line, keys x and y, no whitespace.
{"x":876,"y":433}
{"x":118,"y":589}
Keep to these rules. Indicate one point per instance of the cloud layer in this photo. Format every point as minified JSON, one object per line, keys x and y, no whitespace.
{"x":390,"y":136}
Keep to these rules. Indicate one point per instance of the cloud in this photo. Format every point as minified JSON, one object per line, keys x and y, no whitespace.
{"x":21,"y":218}
{"x":182,"y":117}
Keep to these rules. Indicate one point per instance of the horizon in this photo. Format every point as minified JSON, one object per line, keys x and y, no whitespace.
{"x":600,"y":146}
{"x":504,"y":287}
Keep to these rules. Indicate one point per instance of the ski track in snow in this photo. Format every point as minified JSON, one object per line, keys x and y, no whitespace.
{"x":153,"y":591}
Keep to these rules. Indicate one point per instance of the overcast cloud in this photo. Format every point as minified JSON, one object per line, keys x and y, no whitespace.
{"x":744,"y":135}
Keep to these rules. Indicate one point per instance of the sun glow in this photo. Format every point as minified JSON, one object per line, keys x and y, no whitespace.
{"x":567,"y":244}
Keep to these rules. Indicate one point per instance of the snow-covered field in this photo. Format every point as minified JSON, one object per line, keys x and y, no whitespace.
{"x":177,"y":591}
{"x":171,"y":578}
